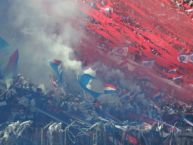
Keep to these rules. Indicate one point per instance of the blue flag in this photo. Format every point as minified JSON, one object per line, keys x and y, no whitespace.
{"x":84,"y":81}
{"x":56,"y":66}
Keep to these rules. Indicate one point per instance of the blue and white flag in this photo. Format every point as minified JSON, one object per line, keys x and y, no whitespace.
{"x":85,"y":82}
{"x":56,"y":66}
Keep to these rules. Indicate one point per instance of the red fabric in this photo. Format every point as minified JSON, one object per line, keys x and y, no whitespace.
{"x":157,"y":29}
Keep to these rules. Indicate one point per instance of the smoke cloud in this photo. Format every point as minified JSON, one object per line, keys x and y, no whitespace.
{"x":42,"y":30}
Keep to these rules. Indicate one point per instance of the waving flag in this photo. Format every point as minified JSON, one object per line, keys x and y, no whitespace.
{"x":11,"y":67}
{"x":109,"y":88}
{"x":3,"y":43}
{"x":56,"y":66}
{"x":84,"y":81}
{"x":183,"y":58}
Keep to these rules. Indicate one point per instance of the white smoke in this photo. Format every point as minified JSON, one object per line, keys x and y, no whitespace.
{"x":111,"y":75}
{"x":43,"y":31}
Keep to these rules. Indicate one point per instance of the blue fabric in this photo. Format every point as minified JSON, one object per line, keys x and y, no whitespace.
{"x":84,"y":80}
{"x":55,"y":65}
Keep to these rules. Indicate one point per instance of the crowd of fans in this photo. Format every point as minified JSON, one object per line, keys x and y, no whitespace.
{"x":186,"y":5}
{"x":181,"y":2}
{"x":22,"y":101}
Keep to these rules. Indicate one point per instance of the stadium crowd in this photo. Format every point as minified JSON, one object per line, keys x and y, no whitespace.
{"x":159,"y":116}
